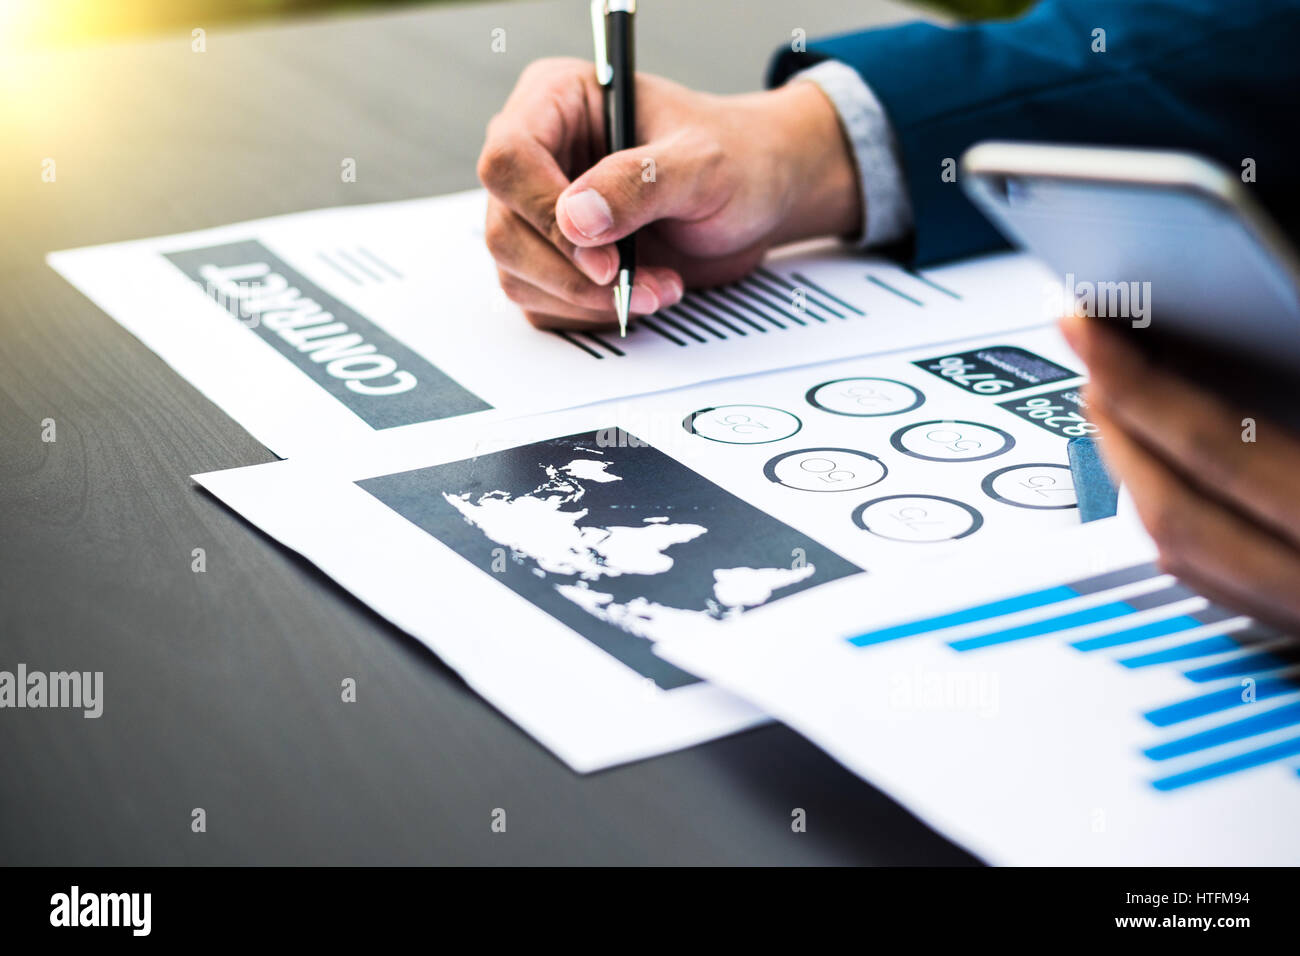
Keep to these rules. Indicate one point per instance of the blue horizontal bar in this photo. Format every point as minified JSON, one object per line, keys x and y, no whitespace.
{"x":1287,"y":716}
{"x":1170,"y":625}
{"x":981,"y":612}
{"x":1255,"y":758}
{"x":1263,"y":661}
{"x":1183,"y":652}
{"x":1091,"y":615}
{"x":1220,"y":700}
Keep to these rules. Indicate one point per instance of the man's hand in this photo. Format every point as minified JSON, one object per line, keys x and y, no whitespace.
{"x":719,"y":181}
{"x":1224,"y":512}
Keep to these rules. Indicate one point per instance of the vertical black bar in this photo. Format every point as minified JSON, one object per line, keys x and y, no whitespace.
{"x":889,"y":288}
{"x":745,"y":305}
{"x":931,"y":283}
{"x":714,"y":301}
{"x":743,"y":289}
{"x":779,"y":280}
{"x":826,"y":292}
{"x":574,"y":342}
{"x":776,"y":294}
{"x":679,"y":327}
{"x":687,"y":317}
{"x":645,"y":320}
{"x":601,"y":342}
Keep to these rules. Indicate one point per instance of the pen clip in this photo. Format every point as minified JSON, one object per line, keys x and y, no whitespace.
{"x":604,"y":72}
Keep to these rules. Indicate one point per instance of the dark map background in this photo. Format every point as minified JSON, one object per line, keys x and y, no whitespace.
{"x":739,"y":535}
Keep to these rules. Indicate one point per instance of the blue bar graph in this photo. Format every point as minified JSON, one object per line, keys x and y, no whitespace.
{"x":1287,"y":716}
{"x":1222,"y":644}
{"x":1240,"y":667}
{"x":1255,"y":675}
{"x":1143,"y":632}
{"x":971,"y":615}
{"x":1221,"y":700}
{"x":1253,"y":758}
{"x":1065,"y":622}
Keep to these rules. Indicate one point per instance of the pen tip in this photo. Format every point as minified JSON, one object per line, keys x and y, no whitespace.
{"x":623,"y":301}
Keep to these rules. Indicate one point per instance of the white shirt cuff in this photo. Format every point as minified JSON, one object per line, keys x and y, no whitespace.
{"x":875,"y":150}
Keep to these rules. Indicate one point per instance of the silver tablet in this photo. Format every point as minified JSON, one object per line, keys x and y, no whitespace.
{"x":1161,"y":241}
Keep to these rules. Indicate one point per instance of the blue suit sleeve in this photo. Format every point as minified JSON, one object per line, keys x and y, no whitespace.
{"x":1217,"y":79}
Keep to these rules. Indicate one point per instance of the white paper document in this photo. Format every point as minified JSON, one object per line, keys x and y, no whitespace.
{"x":1051,"y":705}
{"x":316,"y":329}
{"x":542,"y":558}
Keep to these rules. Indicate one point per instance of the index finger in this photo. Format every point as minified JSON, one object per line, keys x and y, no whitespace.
{"x":515,"y":167}
{"x":523,"y":173}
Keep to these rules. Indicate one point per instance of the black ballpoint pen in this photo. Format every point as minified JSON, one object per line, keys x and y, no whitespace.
{"x":611,"y":27}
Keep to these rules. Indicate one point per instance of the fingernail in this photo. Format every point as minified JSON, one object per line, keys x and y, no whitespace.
{"x":599,"y":264}
{"x":589,"y":213}
{"x":672,"y":290}
{"x":644,"y":302}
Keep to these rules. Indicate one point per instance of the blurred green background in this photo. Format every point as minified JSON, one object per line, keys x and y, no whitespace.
{"x":28,"y":24}
{"x":980,"y":9}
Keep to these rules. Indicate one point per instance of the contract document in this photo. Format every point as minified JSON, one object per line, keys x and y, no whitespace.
{"x":1059,"y":704}
{"x":544,"y":557}
{"x":316,"y":329}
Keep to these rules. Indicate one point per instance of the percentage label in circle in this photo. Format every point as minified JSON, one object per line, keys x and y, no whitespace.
{"x":865,"y":397}
{"x":1040,"y":486}
{"x":742,"y":424}
{"x":826,"y":469}
{"x":921,"y":519}
{"x":952,"y":441}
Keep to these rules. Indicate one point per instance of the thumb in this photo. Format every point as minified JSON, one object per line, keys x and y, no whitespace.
{"x":627,"y":190}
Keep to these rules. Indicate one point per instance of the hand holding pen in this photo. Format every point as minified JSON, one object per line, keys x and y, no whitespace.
{"x":714,"y":182}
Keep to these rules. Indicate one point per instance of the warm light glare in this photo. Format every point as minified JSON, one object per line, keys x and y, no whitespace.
{"x":29,"y":24}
